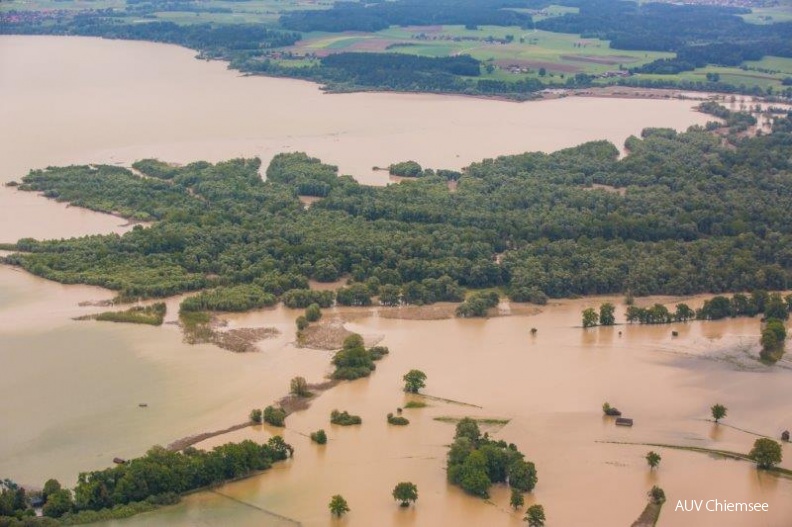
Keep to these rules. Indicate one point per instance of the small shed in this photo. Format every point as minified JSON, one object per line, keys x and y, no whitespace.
{"x":624,"y":421}
{"x":785,"y":435}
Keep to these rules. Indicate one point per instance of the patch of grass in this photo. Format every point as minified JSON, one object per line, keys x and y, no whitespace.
{"x":481,"y":421}
{"x":769,"y":15}
{"x":416,"y":404}
{"x":770,"y":63}
{"x":152,"y":315}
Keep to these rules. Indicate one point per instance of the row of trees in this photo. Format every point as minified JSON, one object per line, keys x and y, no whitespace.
{"x":158,"y":477}
{"x":772,"y":305}
{"x":351,"y":16}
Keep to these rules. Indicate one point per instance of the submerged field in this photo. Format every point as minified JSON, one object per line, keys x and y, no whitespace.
{"x":549,"y":386}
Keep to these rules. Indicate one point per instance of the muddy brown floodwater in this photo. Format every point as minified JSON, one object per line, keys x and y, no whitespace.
{"x":69,"y":391}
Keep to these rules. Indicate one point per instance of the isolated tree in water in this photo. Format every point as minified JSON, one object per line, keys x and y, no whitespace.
{"x":590,"y":318}
{"x":607,"y":315}
{"x":718,"y":412}
{"x":414,"y":380}
{"x":338,"y":506}
{"x":653,"y":459}
{"x":766,"y":453}
{"x":405,"y":493}
{"x":299,"y":387}
{"x":535,"y":516}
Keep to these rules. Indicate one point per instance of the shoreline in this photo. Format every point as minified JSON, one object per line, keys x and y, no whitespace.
{"x":538,"y":96}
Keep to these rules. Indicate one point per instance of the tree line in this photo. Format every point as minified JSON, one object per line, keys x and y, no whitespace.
{"x":158,"y":477}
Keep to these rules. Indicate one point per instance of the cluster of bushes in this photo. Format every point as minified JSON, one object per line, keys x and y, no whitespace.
{"x":354,"y":361}
{"x":274,"y":416}
{"x":475,"y":462}
{"x":606,"y":316}
{"x":773,"y":341}
{"x":659,"y":314}
{"x":344,"y":418}
{"x":319,"y":437}
{"x":302,"y":298}
{"x":354,"y":295}
{"x":426,"y":291}
{"x":397,"y":420}
{"x":236,"y":298}
{"x":153,"y":315}
{"x":771,"y":305}
{"x":312,"y":314}
{"x":478,"y":304}
{"x":406,"y":169}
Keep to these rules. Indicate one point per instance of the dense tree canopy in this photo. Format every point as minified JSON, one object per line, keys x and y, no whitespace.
{"x":694,"y":216}
{"x":475,"y":462}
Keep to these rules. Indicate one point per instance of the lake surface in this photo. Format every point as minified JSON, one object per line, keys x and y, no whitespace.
{"x":69,"y":391}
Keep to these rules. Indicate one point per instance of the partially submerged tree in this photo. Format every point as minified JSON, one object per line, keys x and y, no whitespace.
{"x":517,"y":499}
{"x":653,"y":459}
{"x":256,"y":416}
{"x":299,"y":387}
{"x":274,"y":416}
{"x":766,"y":453}
{"x":338,"y":506}
{"x":319,"y":437}
{"x":535,"y":516}
{"x":590,"y":318}
{"x":718,"y":412}
{"x":414,"y":380}
{"x":405,"y":493}
{"x":313,"y":313}
{"x":607,"y":315}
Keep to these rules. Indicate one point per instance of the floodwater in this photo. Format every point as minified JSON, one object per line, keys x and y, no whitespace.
{"x":69,"y":390}
{"x":84,"y":100}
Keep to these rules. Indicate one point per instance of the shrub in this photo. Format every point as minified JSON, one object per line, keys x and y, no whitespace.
{"x":319,"y":437}
{"x":275,"y":416}
{"x":344,"y":418}
{"x":397,"y":420}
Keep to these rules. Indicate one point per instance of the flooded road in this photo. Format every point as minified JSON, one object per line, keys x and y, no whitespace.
{"x":69,"y":390}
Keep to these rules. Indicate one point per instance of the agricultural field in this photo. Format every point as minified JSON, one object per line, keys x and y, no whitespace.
{"x":508,"y":52}
{"x":770,"y":15}
{"x":217,"y":11}
{"x":734,"y":76}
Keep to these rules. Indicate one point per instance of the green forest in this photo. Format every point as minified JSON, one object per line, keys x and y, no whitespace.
{"x":683,"y":213}
{"x":159,"y":477}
